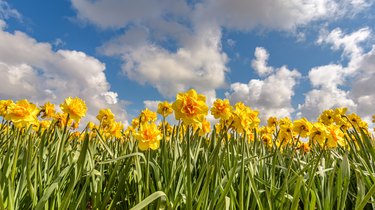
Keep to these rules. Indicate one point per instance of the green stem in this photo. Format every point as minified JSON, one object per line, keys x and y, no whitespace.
{"x":188,"y":172}
{"x":147,"y":191}
{"x":242,"y":180}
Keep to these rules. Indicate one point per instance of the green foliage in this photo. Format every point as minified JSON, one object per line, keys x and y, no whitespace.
{"x":54,"y":169}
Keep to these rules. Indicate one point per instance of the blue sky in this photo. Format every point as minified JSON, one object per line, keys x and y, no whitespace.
{"x":284,"y":58}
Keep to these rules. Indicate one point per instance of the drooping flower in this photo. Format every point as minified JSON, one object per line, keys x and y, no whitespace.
{"x":74,"y":107}
{"x":148,"y":137}
{"x":221,"y":109}
{"x":190,"y":107}
{"x":164,"y":108}
{"x":22,"y":114}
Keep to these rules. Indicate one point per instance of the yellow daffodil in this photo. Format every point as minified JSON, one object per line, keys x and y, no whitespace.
{"x":302,"y":127}
{"x":148,"y":137}
{"x":221,"y":109}
{"x":23,"y":113}
{"x":74,"y":107}
{"x":147,"y":116}
{"x":48,"y":110}
{"x":164,"y":108}
{"x":4,"y":104}
{"x":190,"y":107}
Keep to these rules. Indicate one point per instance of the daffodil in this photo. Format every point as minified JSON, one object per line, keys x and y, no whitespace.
{"x":319,"y":134}
{"x":105,"y":115}
{"x":22,"y":114}
{"x":148,"y":137}
{"x":164,"y":108}
{"x":4,"y":104}
{"x":221,"y":109}
{"x":48,"y":110}
{"x":147,"y":116}
{"x":74,"y":107}
{"x":190,"y":107}
{"x":302,"y":127}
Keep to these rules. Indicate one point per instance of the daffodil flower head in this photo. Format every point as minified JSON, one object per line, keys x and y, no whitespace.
{"x":74,"y":107}
{"x":190,"y":107}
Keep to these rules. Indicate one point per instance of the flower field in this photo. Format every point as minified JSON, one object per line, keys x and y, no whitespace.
{"x":48,"y":162}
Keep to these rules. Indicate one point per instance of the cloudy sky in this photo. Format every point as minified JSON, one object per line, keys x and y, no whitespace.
{"x":285,"y":58}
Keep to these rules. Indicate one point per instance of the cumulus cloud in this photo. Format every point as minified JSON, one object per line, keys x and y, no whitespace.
{"x":348,"y":43}
{"x":193,"y":56}
{"x":151,"y":105}
{"x":349,"y":86}
{"x":318,"y":100}
{"x":363,"y":85}
{"x":260,"y":64}
{"x":31,"y":69}
{"x":175,"y":45}
{"x":271,"y":96}
{"x":198,"y":62}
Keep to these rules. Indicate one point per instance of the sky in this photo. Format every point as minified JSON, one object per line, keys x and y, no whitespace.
{"x":291,"y":58}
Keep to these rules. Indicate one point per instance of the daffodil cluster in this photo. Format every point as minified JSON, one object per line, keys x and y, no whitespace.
{"x":333,"y":128}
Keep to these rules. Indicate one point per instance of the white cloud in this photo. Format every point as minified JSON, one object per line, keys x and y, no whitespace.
{"x":31,"y":70}
{"x":363,"y":85}
{"x":110,"y":97}
{"x":193,"y":56}
{"x":198,"y":61}
{"x":343,"y":86}
{"x":349,"y":44}
{"x":274,"y":14}
{"x":6,"y":11}
{"x":260,"y":64}
{"x":271,"y":96}
{"x":231,"y":43}
{"x":175,"y":45}
{"x":318,"y":100}
{"x":329,"y":76}
{"x":119,"y":13}
{"x":151,"y":105}
{"x":3,"y":24}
